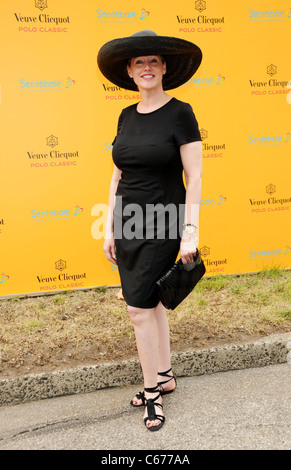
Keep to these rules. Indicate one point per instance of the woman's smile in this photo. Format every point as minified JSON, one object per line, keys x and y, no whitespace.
{"x":147,"y":76}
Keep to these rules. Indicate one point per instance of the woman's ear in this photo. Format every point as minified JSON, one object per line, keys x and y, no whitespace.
{"x":129,"y":71}
{"x":164,"y":67}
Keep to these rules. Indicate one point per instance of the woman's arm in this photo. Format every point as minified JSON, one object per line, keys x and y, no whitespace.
{"x":109,"y":244}
{"x":191,"y":155}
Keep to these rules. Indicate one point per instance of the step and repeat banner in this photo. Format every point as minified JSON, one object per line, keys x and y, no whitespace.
{"x":58,"y":117}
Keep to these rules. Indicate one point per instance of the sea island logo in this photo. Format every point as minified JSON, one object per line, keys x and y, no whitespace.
{"x":43,"y":23}
{"x":114,"y":268}
{"x":269,"y":15}
{"x":269,"y":253}
{"x":211,"y":150}
{"x":78,"y":210}
{"x":56,"y":214}
{"x":122,"y":16}
{"x":255,"y":141}
{"x":272,"y":203}
{"x":61,"y":281}
{"x":4,"y":278}
{"x":204,"y":82}
{"x":52,"y":158}
{"x":108,"y":148}
{"x":265,"y":253}
{"x":272,"y":86}
{"x":46,"y":85}
{"x":70,"y":83}
{"x":212,"y":265}
{"x":213,"y":202}
{"x":200,"y":23}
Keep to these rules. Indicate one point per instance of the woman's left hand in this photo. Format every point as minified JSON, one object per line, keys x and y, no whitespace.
{"x":188,"y":248}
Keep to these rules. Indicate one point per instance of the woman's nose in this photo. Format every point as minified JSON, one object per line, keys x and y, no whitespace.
{"x":147,"y":65}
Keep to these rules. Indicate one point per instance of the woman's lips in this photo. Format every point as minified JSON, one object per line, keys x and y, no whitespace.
{"x":147,"y":76}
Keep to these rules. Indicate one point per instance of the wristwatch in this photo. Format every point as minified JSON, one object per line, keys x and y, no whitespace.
{"x":190,"y":228}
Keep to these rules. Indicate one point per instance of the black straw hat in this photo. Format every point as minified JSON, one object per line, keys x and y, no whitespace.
{"x":182,"y":58}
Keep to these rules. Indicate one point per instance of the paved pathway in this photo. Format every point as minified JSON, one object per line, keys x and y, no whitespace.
{"x":242,"y":409}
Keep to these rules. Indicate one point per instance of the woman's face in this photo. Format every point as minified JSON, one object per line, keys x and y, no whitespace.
{"x":147,"y":71}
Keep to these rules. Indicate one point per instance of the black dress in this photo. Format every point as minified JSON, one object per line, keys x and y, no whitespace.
{"x":150,"y":196}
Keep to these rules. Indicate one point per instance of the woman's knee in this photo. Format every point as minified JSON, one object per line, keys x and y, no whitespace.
{"x":133,"y":312}
{"x":137,"y":315}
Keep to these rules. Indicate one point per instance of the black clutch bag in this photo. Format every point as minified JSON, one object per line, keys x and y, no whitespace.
{"x":179,"y":281}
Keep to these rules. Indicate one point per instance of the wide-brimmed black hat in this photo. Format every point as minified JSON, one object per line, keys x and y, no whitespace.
{"x":182,"y":58}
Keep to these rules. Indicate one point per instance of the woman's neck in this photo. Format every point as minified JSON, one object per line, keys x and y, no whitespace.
{"x":152,"y":100}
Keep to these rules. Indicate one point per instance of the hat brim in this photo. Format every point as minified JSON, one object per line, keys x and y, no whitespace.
{"x":182,"y":59}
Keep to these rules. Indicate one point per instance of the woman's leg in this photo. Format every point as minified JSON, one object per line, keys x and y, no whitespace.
{"x":164,"y":345}
{"x":147,"y":341}
{"x":164,"y":352}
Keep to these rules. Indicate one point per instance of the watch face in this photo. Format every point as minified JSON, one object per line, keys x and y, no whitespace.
{"x":189,"y":229}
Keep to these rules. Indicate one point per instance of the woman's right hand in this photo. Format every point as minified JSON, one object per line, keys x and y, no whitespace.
{"x":109,"y":249}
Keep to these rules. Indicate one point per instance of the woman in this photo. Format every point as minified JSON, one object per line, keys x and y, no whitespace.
{"x":156,"y":140}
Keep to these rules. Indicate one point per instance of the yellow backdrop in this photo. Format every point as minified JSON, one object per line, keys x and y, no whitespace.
{"x":59,"y":116}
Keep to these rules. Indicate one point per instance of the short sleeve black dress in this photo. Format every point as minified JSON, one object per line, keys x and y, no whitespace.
{"x":150,"y":196}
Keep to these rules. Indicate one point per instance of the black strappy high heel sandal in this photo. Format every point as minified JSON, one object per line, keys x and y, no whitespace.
{"x":171,"y":377}
{"x":140,"y":395}
{"x":150,"y":405}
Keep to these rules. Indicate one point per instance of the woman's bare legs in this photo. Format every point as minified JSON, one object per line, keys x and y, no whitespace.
{"x":147,"y":341}
{"x":153,"y":342}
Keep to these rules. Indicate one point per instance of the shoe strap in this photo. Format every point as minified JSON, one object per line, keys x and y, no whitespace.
{"x":150,"y":404}
{"x":166,"y":374}
{"x":152,"y":389}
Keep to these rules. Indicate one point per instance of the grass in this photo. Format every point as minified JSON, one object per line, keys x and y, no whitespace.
{"x":84,"y":327}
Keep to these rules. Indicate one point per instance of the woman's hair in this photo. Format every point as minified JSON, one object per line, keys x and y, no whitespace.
{"x":162,"y":58}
